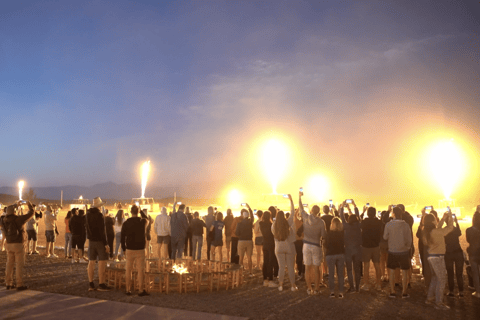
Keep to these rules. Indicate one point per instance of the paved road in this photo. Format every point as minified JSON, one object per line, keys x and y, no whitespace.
{"x":31,"y":304}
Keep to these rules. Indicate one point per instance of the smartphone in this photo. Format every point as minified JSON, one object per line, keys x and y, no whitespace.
{"x":179,"y":202}
{"x":349,"y":201}
{"x":305,"y":205}
{"x":368,"y":204}
{"x":454,"y":216}
{"x":244,"y":204}
{"x":379,"y":214}
{"x":254,"y":210}
{"x":285,"y":196}
{"x":331,"y":202}
{"x":301,"y":191}
{"x":393,"y":206}
{"x":449,"y":210}
{"x":428,"y":208}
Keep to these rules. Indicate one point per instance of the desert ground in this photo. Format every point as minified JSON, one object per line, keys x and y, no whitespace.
{"x":253,"y":300}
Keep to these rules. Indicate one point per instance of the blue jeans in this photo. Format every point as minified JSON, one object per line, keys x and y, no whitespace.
{"x":68,"y":244}
{"x":118,"y":243}
{"x":197,"y":240}
{"x":353,"y":256}
{"x":178,"y":244}
{"x":338,"y":261}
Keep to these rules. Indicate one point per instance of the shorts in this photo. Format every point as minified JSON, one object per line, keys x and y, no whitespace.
{"x":399,"y":260}
{"x":259,"y":241}
{"x":97,"y":249}
{"x":245,"y":246}
{"x":312,"y":255}
{"x":50,"y":235}
{"x":163,"y":239}
{"x":32,"y":235}
{"x":217,"y":243}
{"x":372,"y":254}
{"x":228,"y":241}
{"x":78,"y":242}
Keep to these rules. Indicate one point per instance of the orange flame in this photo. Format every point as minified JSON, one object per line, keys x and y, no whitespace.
{"x":179,"y":268}
{"x":145,"y":172}
{"x":20,"y":189}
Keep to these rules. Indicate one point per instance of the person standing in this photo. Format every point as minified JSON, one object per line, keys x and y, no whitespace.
{"x":244,"y":231}
{"x":284,"y":233}
{"x":12,"y":226}
{"x":119,"y":220}
{"x":454,"y":259}
{"x":50,"y":227}
{"x":473,"y":238}
{"x":371,"y":236}
{"x":434,"y":239}
{"x":179,"y":227}
{"x":258,"y":240}
{"x":228,"y":232}
{"x":327,"y":218}
{"x":163,"y":230}
{"x":335,"y":257}
{"x":353,"y":249}
{"x":68,"y":236}
{"x":150,"y":221}
{"x":2,"y":233}
{"x":210,"y":235}
{"x":97,"y":245}
{"x":299,"y":245}
{"x":314,"y":232}
{"x":197,"y":226}
{"x":110,"y":231}
{"x":133,"y":239}
{"x":398,"y":235}
{"x":32,"y":233}
{"x":268,"y":250}
{"x":234,"y":257}
{"x":77,"y":228}
{"x":217,"y":243}
{"x":188,"y":240}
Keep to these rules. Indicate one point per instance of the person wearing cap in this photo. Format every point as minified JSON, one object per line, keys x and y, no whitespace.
{"x":15,"y":237}
{"x":244,"y":231}
{"x":97,"y":245}
{"x":50,"y":225}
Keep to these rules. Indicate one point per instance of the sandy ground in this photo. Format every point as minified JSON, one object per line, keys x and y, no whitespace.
{"x":252,"y":300}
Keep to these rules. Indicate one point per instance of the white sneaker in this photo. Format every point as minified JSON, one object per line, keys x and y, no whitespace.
{"x":82,"y":261}
{"x":280,"y":288}
{"x":49,"y":255}
{"x":54,"y":256}
{"x":73,"y":261}
{"x":273,"y":284}
{"x":294,"y":288}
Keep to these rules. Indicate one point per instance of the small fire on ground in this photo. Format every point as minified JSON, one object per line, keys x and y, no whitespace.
{"x":179,"y":268}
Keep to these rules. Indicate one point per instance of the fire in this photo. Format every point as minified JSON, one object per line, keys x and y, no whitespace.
{"x":81,"y":198}
{"x":317,"y":188}
{"x":234,"y":197}
{"x":275,"y":160}
{"x":145,"y":173}
{"x":447,"y":164}
{"x":179,"y":268}
{"x":20,"y":189}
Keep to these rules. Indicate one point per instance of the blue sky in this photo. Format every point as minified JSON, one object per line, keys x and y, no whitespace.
{"x":88,"y":90}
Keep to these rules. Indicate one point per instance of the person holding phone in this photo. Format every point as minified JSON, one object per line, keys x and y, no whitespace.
{"x":473,"y":238}
{"x":454,"y":259}
{"x":244,"y":231}
{"x":50,"y":218}
{"x":12,"y":224}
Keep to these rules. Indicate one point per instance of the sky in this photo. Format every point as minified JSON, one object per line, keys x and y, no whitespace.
{"x":357,"y":90}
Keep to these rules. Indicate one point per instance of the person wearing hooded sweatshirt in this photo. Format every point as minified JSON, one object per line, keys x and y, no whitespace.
{"x":314,"y":232}
{"x":163,"y":229}
{"x":97,"y":245}
{"x":15,"y":234}
{"x":353,"y":242}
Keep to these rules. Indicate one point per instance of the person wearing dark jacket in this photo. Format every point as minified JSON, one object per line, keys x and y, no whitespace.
{"x":353,"y":242}
{"x":268,"y":249}
{"x":109,"y":223}
{"x":244,"y":232}
{"x":134,"y":240}
{"x":371,"y":236}
{"x":197,"y":227}
{"x":454,"y":260}
{"x":77,"y":228}
{"x":13,"y":229}
{"x":187,"y":251}
{"x":335,"y":256}
{"x":473,"y":238}
{"x":179,"y":228}
{"x":97,"y":245}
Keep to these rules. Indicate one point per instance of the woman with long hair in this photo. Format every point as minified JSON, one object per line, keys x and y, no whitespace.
{"x":268,"y":249}
{"x":473,"y":239}
{"x":284,"y":234}
{"x":119,"y":220}
{"x":258,"y":239}
{"x":217,"y":243}
{"x":433,"y":236}
{"x":335,"y":256}
{"x":385,"y":218}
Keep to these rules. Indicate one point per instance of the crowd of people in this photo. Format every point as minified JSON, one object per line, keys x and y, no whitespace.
{"x":308,"y":246}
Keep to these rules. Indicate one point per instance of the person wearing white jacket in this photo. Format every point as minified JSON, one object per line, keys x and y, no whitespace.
{"x":162,"y":229}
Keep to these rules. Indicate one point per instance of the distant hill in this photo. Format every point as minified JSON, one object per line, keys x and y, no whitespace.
{"x":111,"y":190}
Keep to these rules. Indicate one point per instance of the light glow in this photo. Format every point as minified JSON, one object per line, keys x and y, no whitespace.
{"x":145,"y":173}
{"x":447,"y":164}
{"x":179,"y":268}
{"x":21,"y":184}
{"x":275,"y":161}
{"x":317,"y":188}
{"x":234,"y":198}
